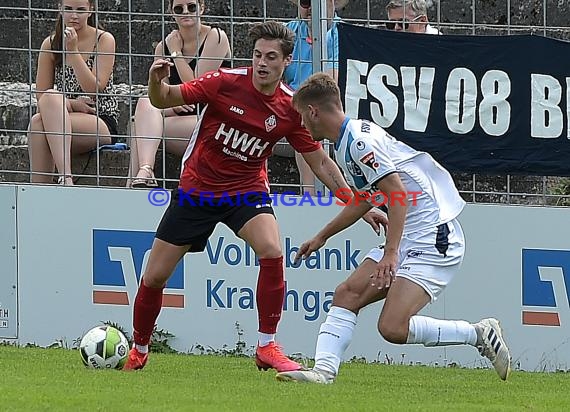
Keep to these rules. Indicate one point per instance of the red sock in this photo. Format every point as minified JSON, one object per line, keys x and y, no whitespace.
{"x":270,"y":293}
{"x":147,"y":307}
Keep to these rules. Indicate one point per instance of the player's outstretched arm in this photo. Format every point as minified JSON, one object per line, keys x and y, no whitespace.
{"x":397,"y":209}
{"x":161,"y":94}
{"x":350,"y":213}
{"x":385,"y":272}
{"x":326,"y":170}
{"x":329,"y":173}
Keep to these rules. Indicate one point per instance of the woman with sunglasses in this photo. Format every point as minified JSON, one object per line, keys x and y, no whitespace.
{"x":74,"y":84}
{"x":195,"y":49}
{"x":409,"y":16}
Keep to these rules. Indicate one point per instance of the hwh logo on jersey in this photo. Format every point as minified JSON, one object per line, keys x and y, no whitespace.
{"x":242,"y":141}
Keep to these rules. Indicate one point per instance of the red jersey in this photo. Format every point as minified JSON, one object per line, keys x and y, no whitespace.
{"x":236,"y":132}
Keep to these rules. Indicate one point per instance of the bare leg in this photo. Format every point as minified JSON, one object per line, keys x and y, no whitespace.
{"x":41,"y":161}
{"x":178,"y":129}
{"x":57,"y":124}
{"x":89,"y":132}
{"x":134,"y":156}
{"x":149,"y":129}
{"x":405,"y":298}
{"x":56,"y":145}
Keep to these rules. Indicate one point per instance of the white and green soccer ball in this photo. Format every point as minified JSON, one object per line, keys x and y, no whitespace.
{"x":104,"y":347}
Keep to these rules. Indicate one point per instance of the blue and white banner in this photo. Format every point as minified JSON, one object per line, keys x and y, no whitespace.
{"x":486,"y":104}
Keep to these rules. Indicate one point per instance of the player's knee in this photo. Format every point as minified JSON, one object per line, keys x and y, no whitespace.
{"x":346,"y":296}
{"x":154,"y":279}
{"x":269,"y":251}
{"x":393,"y":332}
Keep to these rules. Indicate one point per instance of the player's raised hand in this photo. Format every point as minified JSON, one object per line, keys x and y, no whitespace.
{"x":159,"y":69}
{"x":309,"y":247}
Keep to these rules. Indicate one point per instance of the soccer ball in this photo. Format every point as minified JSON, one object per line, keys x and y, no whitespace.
{"x":104,"y":347}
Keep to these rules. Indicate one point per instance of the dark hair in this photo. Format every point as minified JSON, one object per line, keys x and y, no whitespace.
{"x":57,"y":38}
{"x":319,"y":89}
{"x":272,"y":30}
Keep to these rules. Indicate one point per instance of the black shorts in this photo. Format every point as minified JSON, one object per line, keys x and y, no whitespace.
{"x":191,"y":222}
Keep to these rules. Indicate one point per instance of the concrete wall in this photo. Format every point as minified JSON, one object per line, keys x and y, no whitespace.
{"x":138,"y":31}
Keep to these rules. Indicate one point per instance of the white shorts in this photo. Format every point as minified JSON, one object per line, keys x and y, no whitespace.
{"x":429,"y":258}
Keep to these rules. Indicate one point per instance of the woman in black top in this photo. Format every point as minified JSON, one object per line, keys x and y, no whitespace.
{"x":195,"y":49}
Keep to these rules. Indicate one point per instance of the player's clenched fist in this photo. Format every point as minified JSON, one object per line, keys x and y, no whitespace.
{"x":159,"y":69}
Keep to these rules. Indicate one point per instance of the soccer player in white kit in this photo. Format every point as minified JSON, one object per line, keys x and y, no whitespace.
{"x":424,"y":242}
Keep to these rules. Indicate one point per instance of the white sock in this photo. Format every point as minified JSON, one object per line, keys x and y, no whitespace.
{"x":334,"y":337}
{"x":265,"y":339}
{"x":437,"y":332}
{"x":141,"y":348}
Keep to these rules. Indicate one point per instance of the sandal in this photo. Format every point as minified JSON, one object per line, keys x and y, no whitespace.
{"x":65,"y":180}
{"x":145,"y":182}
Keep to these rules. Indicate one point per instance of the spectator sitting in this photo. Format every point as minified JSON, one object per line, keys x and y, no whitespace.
{"x":81,"y":114}
{"x":195,"y":49}
{"x":410,"y":16}
{"x":301,"y":68}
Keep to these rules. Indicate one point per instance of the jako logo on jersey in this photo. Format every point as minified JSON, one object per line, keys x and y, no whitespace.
{"x":237,"y":110}
{"x":119,"y":257}
{"x":242,"y":141}
{"x":544,"y":272}
{"x":270,"y":123}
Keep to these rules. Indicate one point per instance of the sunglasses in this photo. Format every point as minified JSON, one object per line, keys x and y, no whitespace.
{"x":179,"y":9}
{"x":391,"y":25}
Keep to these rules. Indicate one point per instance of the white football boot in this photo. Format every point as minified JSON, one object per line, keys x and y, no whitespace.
{"x":307,"y":375}
{"x":491,"y":344}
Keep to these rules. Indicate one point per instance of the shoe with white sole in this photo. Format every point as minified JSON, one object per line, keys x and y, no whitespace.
{"x":491,"y":344}
{"x":306,"y":375}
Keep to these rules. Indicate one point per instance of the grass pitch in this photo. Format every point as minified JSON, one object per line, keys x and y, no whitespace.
{"x":55,"y":379}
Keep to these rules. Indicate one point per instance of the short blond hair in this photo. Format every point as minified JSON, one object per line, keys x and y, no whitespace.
{"x":417,"y":6}
{"x":319,"y":89}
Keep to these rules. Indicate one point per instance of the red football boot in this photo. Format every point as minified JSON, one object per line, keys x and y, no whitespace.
{"x":271,"y":356}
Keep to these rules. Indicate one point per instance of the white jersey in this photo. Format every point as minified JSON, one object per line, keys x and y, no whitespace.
{"x":366,"y":154}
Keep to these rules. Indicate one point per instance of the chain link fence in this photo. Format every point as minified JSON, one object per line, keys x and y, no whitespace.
{"x":138,"y":25}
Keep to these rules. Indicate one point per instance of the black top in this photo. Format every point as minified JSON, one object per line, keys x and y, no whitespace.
{"x":174,"y":76}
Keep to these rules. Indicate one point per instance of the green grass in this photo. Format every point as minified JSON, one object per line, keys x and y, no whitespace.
{"x":55,"y":379}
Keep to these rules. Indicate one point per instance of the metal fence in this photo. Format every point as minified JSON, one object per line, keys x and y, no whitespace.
{"x":137,"y":25}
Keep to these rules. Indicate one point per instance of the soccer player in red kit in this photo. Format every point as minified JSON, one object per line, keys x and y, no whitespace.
{"x":246,"y":112}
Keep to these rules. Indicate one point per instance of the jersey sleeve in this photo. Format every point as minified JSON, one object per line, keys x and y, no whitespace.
{"x":372,"y":157}
{"x":202,"y":89}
